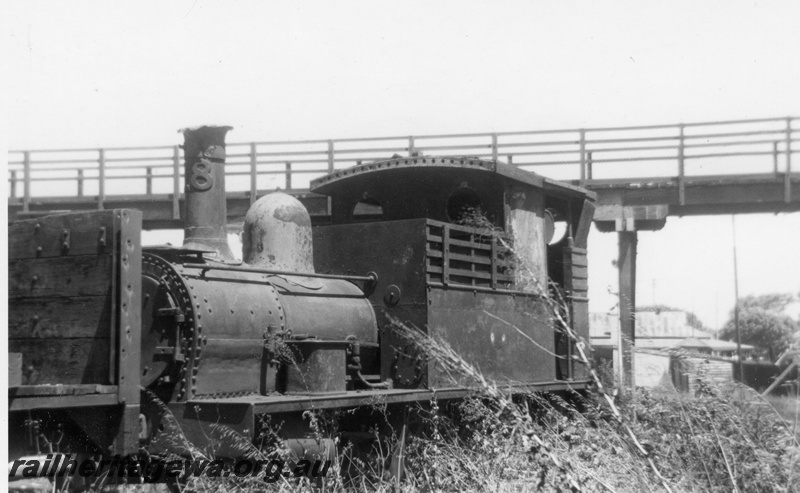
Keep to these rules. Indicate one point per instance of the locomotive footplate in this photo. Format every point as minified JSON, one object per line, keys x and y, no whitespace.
{"x":201,"y":422}
{"x":298,"y":403}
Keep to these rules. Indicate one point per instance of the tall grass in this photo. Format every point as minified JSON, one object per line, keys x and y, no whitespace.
{"x":724,"y":438}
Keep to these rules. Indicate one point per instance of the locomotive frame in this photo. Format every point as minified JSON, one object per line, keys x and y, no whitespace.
{"x":86,"y":300}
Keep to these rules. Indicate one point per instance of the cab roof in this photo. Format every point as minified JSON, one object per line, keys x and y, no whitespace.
{"x":343,"y":181}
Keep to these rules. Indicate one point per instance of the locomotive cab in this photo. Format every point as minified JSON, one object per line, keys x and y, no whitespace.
{"x":477,"y":251}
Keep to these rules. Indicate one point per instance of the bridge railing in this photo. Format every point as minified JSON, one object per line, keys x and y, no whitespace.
{"x":674,"y":152}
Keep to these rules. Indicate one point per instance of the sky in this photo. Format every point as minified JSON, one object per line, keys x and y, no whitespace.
{"x":91,"y":74}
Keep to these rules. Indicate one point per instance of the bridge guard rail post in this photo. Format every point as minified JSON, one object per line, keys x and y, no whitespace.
{"x":330,"y":156}
{"x":176,"y":182}
{"x":681,"y":167}
{"x":149,"y":180}
{"x":253,"y":173}
{"x":775,"y":158}
{"x":589,"y":172}
{"x":787,"y":179}
{"x":101,"y":185}
{"x":582,"y":143}
{"x":26,"y":190}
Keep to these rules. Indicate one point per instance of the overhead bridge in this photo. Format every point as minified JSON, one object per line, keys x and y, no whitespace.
{"x":641,"y":174}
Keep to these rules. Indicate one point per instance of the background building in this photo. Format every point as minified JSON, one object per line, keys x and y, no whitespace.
{"x":658,"y":335}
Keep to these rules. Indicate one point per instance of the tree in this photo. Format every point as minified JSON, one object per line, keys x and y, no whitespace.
{"x":762,"y":323}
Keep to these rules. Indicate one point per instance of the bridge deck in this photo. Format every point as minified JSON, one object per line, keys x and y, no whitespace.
{"x":644,"y":200}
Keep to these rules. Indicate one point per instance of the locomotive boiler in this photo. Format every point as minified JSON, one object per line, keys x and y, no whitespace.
{"x":108,"y":338}
{"x":214,"y":326}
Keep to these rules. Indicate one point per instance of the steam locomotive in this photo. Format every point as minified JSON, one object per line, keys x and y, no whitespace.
{"x":108,"y":339}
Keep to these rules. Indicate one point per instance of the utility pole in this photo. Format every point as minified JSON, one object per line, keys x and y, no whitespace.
{"x":736,"y":304}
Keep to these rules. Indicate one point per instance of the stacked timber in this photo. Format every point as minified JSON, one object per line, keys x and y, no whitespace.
{"x":689,"y":371}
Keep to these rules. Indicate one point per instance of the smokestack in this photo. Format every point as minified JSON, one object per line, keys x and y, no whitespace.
{"x":206,"y":207}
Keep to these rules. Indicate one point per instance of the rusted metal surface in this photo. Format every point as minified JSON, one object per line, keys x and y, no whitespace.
{"x":470,"y":273}
{"x":328,"y":309}
{"x":168,"y":335}
{"x":576,"y":286}
{"x":400,"y":267}
{"x":485,"y":330}
{"x":468,"y":256}
{"x":317,"y":367}
{"x":272,"y":272}
{"x":129,"y":328}
{"x":277,"y":234}
{"x":456,"y":313}
{"x":230,"y":315}
{"x":206,"y":214}
{"x":430,"y":181}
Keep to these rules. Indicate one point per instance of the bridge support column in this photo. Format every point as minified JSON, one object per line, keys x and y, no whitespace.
{"x":626,"y":262}
{"x":626,"y":220}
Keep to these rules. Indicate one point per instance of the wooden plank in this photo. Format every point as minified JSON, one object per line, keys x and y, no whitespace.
{"x":462,"y":258}
{"x":579,"y":272}
{"x":62,"y":361}
{"x":60,"y":318}
{"x":60,"y":277}
{"x":61,"y":402}
{"x":584,"y":224}
{"x":43,"y":237}
{"x":580,"y":284}
{"x":453,"y":227}
{"x":468,"y":244}
{"x":446,"y":254}
{"x":493,"y":269}
{"x":79,"y":389}
{"x":468,"y":273}
{"x":579,"y":260}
